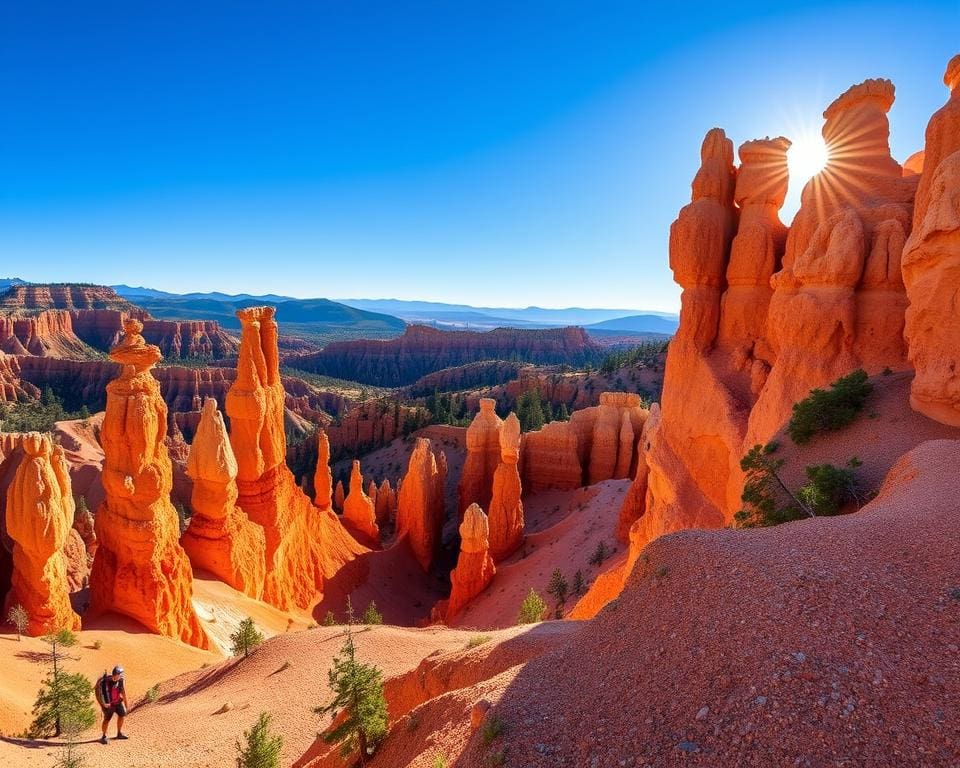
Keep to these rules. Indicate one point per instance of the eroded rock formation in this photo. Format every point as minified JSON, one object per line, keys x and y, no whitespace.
{"x":475,"y":568}
{"x":931,"y":265}
{"x":221,"y":538}
{"x":420,"y":505}
{"x":322,"y":479}
{"x":359,"y":510}
{"x":769,"y":313}
{"x":305,"y":545}
{"x":506,"y":507}
{"x":550,"y":458}
{"x":39,"y":519}
{"x":386,"y":502}
{"x":140,"y":569}
{"x":483,"y":457}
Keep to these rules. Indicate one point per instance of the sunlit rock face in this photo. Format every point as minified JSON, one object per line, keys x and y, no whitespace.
{"x":39,"y":519}
{"x":769,"y":312}
{"x":221,"y":538}
{"x":931,"y":265}
{"x":140,"y":569}
{"x":305,"y":545}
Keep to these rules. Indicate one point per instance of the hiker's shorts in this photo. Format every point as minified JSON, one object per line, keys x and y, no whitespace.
{"x":116,"y":709}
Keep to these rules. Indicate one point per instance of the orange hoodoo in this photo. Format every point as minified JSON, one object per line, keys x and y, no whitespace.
{"x":358,"y":508}
{"x":140,"y":569}
{"x":220,"y":537}
{"x":420,"y":506}
{"x":506,"y":508}
{"x":931,"y":264}
{"x":305,"y":545}
{"x":475,"y":568}
{"x":40,"y":510}
{"x":322,"y":479}
{"x":483,"y":457}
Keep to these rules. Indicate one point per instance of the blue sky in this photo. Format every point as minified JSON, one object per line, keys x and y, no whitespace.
{"x":490,"y":153}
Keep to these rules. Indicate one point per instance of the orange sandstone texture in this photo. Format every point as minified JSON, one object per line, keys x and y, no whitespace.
{"x":339,"y":496}
{"x":549,"y":459}
{"x":386,"y":503}
{"x":483,"y":457}
{"x":305,"y":545}
{"x":220,"y":537}
{"x":769,"y":313}
{"x":506,"y":508}
{"x":39,"y":520}
{"x":931,"y":266}
{"x":322,"y":479}
{"x":140,"y":569}
{"x":475,"y":568}
{"x":358,"y":508}
{"x":420,"y":507}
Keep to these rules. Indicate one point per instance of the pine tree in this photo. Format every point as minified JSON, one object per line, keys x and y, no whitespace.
{"x":558,"y":586}
{"x":532,"y":608}
{"x":329,"y":620}
{"x":372,"y":615}
{"x":579,"y":587}
{"x":358,"y":695}
{"x":259,"y":748}
{"x":246,"y":638}
{"x":19,"y":618}
{"x":63,"y":697}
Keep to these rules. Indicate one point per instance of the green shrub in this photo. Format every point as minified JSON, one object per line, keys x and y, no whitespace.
{"x":478,"y":640}
{"x":259,"y":749}
{"x":829,"y":488}
{"x":532,"y":608}
{"x":599,"y":554}
{"x":763,"y":489}
{"x":372,"y":615}
{"x":491,"y":728}
{"x":246,"y":638}
{"x":829,"y":409}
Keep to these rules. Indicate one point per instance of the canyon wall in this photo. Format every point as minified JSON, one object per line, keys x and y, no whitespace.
{"x":422,"y":350}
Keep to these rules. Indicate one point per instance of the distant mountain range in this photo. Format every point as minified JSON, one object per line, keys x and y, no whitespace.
{"x":328,"y":319}
{"x":484,"y":318}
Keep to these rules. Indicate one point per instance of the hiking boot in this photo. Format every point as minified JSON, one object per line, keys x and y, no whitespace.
{"x":103,"y":739}
{"x":122,"y":736}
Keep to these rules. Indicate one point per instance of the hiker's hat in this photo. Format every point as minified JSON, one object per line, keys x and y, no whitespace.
{"x":118,"y":670}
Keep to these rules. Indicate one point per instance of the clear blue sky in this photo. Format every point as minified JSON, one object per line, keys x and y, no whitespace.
{"x":506,"y":153}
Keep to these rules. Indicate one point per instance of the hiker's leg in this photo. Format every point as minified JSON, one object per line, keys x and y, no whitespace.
{"x":120,"y":719}
{"x":107,"y":714}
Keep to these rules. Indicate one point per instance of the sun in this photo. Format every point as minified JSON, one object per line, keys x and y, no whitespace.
{"x":807,"y":156}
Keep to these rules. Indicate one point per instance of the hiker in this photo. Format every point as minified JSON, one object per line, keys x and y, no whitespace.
{"x":112,"y":698}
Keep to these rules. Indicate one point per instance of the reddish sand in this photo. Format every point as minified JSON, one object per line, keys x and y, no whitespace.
{"x":563,"y":531}
{"x":819,"y":643}
{"x":198,"y":716}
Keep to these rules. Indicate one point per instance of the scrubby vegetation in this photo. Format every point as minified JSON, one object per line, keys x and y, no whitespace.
{"x":37,"y":415}
{"x":65,"y":700}
{"x":768,"y":501}
{"x":532,"y":608}
{"x":358,"y":693}
{"x":259,"y":748}
{"x":645,"y":353}
{"x":371,"y":615}
{"x":246,"y":638}
{"x":831,"y":409}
